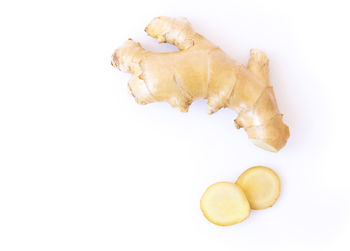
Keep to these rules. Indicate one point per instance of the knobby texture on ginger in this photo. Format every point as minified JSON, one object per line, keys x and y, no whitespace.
{"x":201,"y":70}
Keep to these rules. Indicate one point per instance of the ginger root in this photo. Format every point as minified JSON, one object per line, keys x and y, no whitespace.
{"x":224,"y":204}
{"x":201,"y":70}
{"x":261,"y":185}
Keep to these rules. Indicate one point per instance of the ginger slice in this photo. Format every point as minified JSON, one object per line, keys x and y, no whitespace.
{"x":261,"y":185}
{"x":224,"y":204}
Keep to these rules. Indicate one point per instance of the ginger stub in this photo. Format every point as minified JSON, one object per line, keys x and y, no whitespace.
{"x":261,"y":185}
{"x":225,"y":204}
{"x":201,"y":70}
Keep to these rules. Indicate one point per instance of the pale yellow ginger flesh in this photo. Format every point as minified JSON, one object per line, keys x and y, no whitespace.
{"x":201,"y":70}
{"x":225,"y":204}
{"x":261,"y":185}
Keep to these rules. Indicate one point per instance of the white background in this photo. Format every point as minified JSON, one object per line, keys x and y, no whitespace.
{"x":83,"y":167}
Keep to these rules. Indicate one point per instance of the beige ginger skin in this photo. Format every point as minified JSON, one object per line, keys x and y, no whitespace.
{"x":201,"y":70}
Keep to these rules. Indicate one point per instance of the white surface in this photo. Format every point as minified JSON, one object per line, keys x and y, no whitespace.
{"x":83,"y":167}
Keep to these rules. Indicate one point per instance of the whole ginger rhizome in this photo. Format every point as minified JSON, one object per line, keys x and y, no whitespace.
{"x":201,"y":70}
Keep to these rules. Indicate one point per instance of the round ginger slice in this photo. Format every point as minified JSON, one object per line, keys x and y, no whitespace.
{"x":261,"y":185}
{"x":224,"y":204}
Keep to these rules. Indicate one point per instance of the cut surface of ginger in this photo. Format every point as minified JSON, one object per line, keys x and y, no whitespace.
{"x":224,"y":204}
{"x":261,"y":185}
